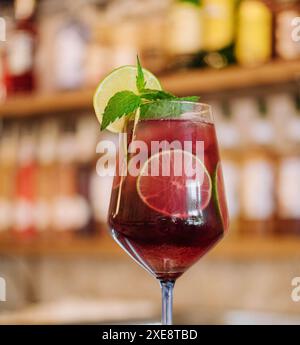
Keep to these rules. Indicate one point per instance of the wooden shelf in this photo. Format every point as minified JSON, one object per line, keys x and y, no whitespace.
{"x":40,"y":104}
{"x":231,"y":248}
{"x":232,"y":78}
{"x":101,"y":245}
{"x":60,"y":245}
{"x":258,"y":248}
{"x":180,"y":83}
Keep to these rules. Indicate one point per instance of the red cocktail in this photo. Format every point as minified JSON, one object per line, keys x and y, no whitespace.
{"x":168,"y":221}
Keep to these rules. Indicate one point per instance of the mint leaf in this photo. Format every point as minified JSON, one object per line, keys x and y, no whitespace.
{"x":163,"y":109}
{"x":140,"y":79}
{"x":188,"y":98}
{"x":153,"y":95}
{"x":122,"y":103}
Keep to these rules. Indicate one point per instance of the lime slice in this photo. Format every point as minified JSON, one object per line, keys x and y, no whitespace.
{"x":120,"y":79}
{"x":220,"y":197}
{"x":175,"y":195}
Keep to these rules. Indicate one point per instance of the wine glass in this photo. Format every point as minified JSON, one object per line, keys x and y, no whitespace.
{"x":168,"y":205}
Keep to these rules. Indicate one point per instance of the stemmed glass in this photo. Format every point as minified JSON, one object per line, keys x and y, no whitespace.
{"x":168,"y":204}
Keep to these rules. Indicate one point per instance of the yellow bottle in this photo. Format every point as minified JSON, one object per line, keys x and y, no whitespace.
{"x":218,"y":23}
{"x":254,"y":34}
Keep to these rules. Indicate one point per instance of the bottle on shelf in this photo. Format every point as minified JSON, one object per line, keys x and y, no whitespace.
{"x":26,"y":178}
{"x":281,"y":107}
{"x":8,"y":162}
{"x":5,"y":29}
{"x":288,"y":186}
{"x":47,"y":176}
{"x":51,"y":19}
{"x":99,"y":57}
{"x":152,"y":50}
{"x":20,"y":49}
{"x":64,"y":205}
{"x":286,"y":46}
{"x":184,"y":34}
{"x":258,"y":171}
{"x":69,"y":51}
{"x":124,"y":42}
{"x":86,"y":137}
{"x":219,"y":22}
{"x":254,"y":33}
{"x":2,"y":78}
{"x":229,"y":140}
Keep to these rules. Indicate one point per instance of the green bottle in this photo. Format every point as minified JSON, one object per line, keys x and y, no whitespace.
{"x":219,"y":23}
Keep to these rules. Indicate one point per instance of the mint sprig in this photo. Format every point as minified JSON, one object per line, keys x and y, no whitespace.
{"x":152,"y":103}
{"x":122,"y":103}
{"x":165,"y":108}
{"x":153,"y":95}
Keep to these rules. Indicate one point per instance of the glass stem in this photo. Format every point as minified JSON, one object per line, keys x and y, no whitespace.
{"x":167,"y":301}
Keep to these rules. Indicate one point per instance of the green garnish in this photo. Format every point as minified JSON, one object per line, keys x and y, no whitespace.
{"x":152,"y":103}
{"x":140,"y":79}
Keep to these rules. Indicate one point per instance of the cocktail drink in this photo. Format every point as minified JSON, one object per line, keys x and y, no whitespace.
{"x":168,"y":205}
{"x":167,"y":223}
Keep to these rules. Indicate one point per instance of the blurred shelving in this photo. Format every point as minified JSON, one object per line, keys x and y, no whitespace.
{"x":232,"y":78}
{"x":231,"y":248}
{"x":180,"y":83}
{"x":40,"y":104}
{"x":102,"y":245}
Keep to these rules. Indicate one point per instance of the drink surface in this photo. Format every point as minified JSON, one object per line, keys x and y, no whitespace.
{"x":177,"y":222}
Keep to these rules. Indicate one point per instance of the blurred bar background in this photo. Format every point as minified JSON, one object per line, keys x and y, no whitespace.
{"x":59,"y":263}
